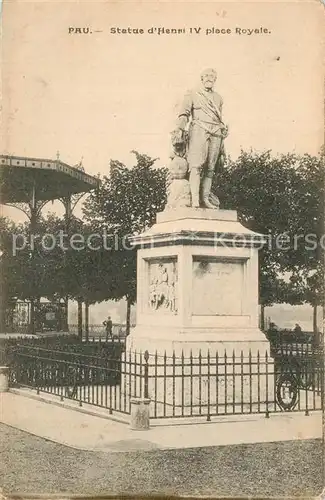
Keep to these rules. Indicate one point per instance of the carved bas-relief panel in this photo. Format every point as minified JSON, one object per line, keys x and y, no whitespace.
{"x":217,"y":287}
{"x":162,"y":296}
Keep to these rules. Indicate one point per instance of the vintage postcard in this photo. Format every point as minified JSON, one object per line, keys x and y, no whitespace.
{"x":162,"y":249}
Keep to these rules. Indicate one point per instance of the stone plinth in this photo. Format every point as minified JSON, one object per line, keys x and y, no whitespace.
{"x":197,"y":285}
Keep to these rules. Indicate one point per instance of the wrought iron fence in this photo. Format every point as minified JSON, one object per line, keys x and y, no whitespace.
{"x":201,"y":385}
{"x":101,"y":380}
{"x":222,"y":384}
{"x":98,"y":331}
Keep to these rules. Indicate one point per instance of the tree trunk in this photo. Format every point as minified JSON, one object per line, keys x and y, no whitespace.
{"x":39,"y":325}
{"x":66,"y":310}
{"x":3,"y":310}
{"x":128,"y":315}
{"x":2,"y":318}
{"x":87,"y":320}
{"x":32,"y":318}
{"x":80,"y":319}
{"x":262,"y":319}
{"x":315,"y":329}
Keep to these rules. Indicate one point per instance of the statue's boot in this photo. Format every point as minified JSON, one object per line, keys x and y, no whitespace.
{"x":195,"y":180}
{"x":206,"y":190}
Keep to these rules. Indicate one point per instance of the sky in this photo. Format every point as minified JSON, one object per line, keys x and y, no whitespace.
{"x":98,"y":96}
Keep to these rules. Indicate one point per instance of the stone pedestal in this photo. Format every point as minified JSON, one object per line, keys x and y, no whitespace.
{"x":197,"y":316}
{"x":197,"y":285}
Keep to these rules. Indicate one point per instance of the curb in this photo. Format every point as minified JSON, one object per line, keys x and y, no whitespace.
{"x":69,"y":406}
{"x":51,"y":440}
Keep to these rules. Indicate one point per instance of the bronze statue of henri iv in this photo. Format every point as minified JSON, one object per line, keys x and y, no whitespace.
{"x":198,"y":146}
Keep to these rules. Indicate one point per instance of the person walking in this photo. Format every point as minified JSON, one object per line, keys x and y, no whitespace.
{"x":109,"y":328}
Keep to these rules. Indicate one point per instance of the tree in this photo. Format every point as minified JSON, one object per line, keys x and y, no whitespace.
{"x":281,"y":197}
{"x":70,"y":266}
{"x":125,"y":204}
{"x":305,"y":260}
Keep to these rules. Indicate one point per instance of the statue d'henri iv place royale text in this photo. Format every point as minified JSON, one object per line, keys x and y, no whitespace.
{"x":198,"y":146}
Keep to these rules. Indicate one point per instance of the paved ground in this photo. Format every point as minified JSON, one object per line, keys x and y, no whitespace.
{"x":70,"y":427}
{"x":46,"y":448}
{"x":29,"y":464}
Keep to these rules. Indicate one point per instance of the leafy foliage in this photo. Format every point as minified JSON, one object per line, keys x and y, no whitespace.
{"x":282,"y":197}
{"x":126,"y":204}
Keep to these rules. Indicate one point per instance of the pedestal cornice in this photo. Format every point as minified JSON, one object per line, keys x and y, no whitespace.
{"x":190,"y":226}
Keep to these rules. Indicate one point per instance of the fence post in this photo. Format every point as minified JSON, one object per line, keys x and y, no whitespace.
{"x":146,"y":375}
{"x":208,"y":374}
{"x":140,"y":412}
{"x":305,"y":368}
{"x":267,"y":413}
{"x":140,"y":420}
